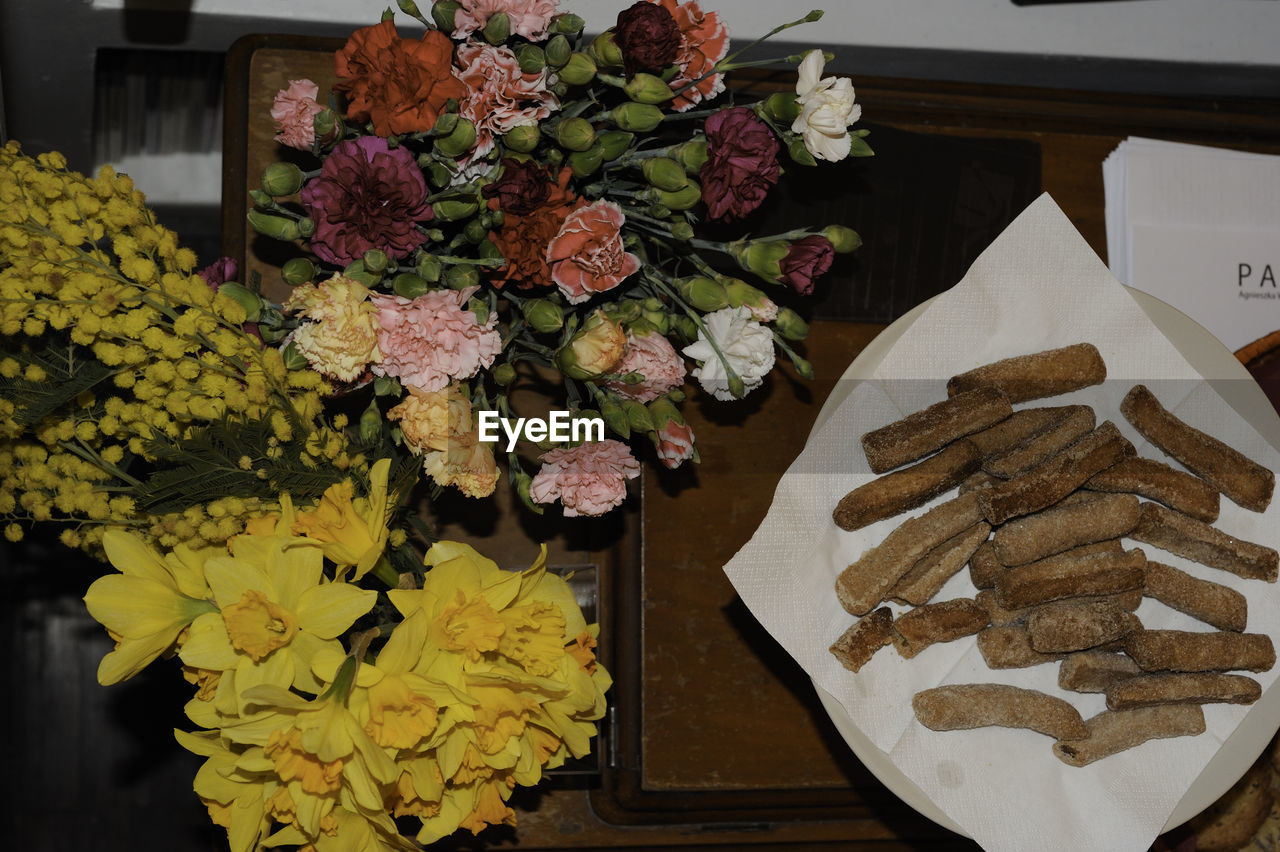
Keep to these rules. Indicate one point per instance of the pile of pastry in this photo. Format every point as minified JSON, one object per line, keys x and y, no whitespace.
{"x":1045,"y":496}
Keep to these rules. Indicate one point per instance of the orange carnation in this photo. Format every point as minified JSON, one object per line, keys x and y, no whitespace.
{"x":399,"y":84}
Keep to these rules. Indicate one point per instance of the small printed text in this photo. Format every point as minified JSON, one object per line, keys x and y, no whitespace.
{"x":559,"y":426}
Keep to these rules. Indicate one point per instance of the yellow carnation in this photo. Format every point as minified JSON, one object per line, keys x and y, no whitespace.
{"x":342,"y":337}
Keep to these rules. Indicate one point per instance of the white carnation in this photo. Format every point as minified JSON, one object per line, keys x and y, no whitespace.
{"x":827,"y":109}
{"x":745,"y":344}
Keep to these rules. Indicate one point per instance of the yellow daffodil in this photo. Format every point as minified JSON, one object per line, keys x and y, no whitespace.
{"x":148,"y":604}
{"x":352,"y":531}
{"x":236,"y":799}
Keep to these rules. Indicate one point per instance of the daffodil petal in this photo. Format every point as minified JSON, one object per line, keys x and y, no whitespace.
{"x":296,"y":566}
{"x":134,"y":607}
{"x":404,"y":646}
{"x":132,"y":656}
{"x":230,"y":577}
{"x":131,"y":556}
{"x":328,"y":610}
{"x":207,"y":645}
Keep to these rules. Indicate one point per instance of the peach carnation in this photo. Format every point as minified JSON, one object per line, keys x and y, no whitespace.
{"x":428,"y":419}
{"x":467,"y":463}
{"x":652,"y":356}
{"x":589,"y":479}
{"x":587,"y":256}
{"x":529,"y":18}
{"x":499,"y":96}
{"x":341,"y":338}
{"x":428,"y":341}
{"x":294,"y":110}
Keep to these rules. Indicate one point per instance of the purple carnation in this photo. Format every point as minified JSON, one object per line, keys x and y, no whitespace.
{"x":368,"y":196}
{"x":742,"y":163}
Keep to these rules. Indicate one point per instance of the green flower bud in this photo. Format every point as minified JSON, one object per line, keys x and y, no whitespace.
{"x":504,"y":374}
{"x":371,"y":423}
{"x":576,"y":134}
{"x":593,"y":350}
{"x":568,"y":23}
{"x":782,"y":107}
{"x":803,"y":368}
{"x":663,"y":411}
{"x":444,"y":12}
{"x":586,"y":162}
{"x":244,"y":297}
{"x":488,"y":251}
{"x":429,"y":268}
{"x":614,"y":143}
{"x":640,"y":327}
{"x":260,"y":199}
{"x":799,"y":153}
{"x":555,"y":157}
{"x":522,"y":139}
{"x":625,"y":312}
{"x":327,"y":125}
{"x":276,"y":227}
{"x":543,"y":315}
{"x":557,"y":51}
{"x":479,"y":308}
{"x":298,"y":270}
{"x":281,"y":179}
{"x":293,"y":357}
{"x":647,"y":89}
{"x":438,"y":174}
{"x":375,"y":260}
{"x":454,"y":209}
{"x":579,"y":70}
{"x":790,"y":325}
{"x":523,"y":483}
{"x":410,"y":8}
{"x":741,"y":293}
{"x":459,"y":141}
{"x":843,"y":240}
{"x":410,"y":286}
{"x":605,"y":50}
{"x":445,"y":124}
{"x":692,"y":155}
{"x":637,"y":117}
{"x":532,"y":59}
{"x":615,"y":418}
{"x":461,"y":276}
{"x":386,"y":386}
{"x":685,"y":198}
{"x":763,"y":257}
{"x":306,"y":226}
{"x":705,"y":294}
{"x":659,"y":211}
{"x":665,"y":173}
{"x":682,"y":231}
{"x":638,"y":415}
{"x":560,"y":89}
{"x":658,"y":320}
{"x":474,"y":232}
{"x":497,"y":29}
{"x":684,"y":326}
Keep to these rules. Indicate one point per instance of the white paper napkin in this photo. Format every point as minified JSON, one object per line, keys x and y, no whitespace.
{"x":1038,"y":286}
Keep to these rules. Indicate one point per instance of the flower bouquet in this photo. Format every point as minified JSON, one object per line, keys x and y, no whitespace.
{"x":503,"y":202}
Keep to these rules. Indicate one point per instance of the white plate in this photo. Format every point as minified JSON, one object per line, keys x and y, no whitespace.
{"x":1233,"y":382}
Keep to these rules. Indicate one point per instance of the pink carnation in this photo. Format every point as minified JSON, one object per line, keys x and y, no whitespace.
{"x":294,"y":110}
{"x":529,"y":18}
{"x":427,"y":341}
{"x":589,"y":479}
{"x":674,"y":443}
{"x":652,"y":356}
{"x":500,"y":97}
{"x":587,"y":256}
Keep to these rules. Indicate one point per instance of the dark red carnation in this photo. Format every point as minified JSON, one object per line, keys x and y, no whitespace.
{"x":741,"y":166}
{"x":806,"y":260}
{"x":523,"y":188}
{"x":367,"y":196}
{"x":523,"y":238}
{"x":648,"y":37}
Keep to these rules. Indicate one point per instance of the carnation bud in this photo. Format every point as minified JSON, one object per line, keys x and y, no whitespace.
{"x":475,"y":231}
{"x":281,"y":179}
{"x":497,"y":29}
{"x":531,"y":58}
{"x":763,"y":257}
{"x":557,"y":51}
{"x":327,"y":126}
{"x":843,"y":240}
{"x":371,"y":423}
{"x":555,"y":157}
{"x":479,"y":308}
{"x":665,"y":173}
{"x":741,"y":293}
{"x":684,"y":326}
{"x":659,"y":211}
{"x":504,"y":374}
{"x":647,"y":89}
{"x":586,"y":162}
{"x":543,"y":315}
{"x":625,"y":312}
{"x":682,"y":231}
{"x":568,"y":23}
{"x":522,"y":139}
{"x":410,"y":286}
{"x":523,"y":483}
{"x":261,"y":199}
{"x":306,"y":226}
{"x":576,"y":134}
{"x":579,"y":70}
{"x":637,"y":117}
{"x":614,"y":143}
{"x":593,"y":350}
{"x":638,"y":416}
{"x":411,"y":9}
{"x":387,"y":386}
{"x":461,"y":276}
{"x":244,"y":297}
{"x":655,"y":317}
{"x":782,"y":107}
{"x":705,"y":294}
{"x":459,"y":141}
{"x":800,"y":153}
{"x":640,"y":328}
{"x":692,"y":155}
{"x":293,"y":357}
{"x":445,"y":123}
{"x":790,"y":325}
{"x":685,"y":198}
{"x":276,"y":227}
{"x":375,"y":260}
{"x":444,"y":12}
{"x":429,"y":268}
{"x":438,"y":173}
{"x":454,"y":209}
{"x":615,"y":418}
{"x":298,"y":270}
{"x":803,"y":368}
{"x":606,"y":51}
{"x":663,"y":411}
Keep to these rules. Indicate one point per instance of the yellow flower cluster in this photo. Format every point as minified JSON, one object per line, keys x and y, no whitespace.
{"x":488,"y":679}
{"x":98,"y":298}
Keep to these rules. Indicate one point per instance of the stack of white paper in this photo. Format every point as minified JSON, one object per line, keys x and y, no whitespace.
{"x":1198,"y":228}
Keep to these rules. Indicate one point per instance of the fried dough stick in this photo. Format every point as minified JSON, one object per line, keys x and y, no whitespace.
{"x":1241,"y":479}
{"x":927,"y":577}
{"x":986,"y":598}
{"x":1088,"y":519}
{"x":980,"y":705}
{"x":1008,"y":647}
{"x":1065,"y":626}
{"x":920,"y":433}
{"x":1182,"y":688}
{"x":1040,"y":374}
{"x":1077,"y":420}
{"x":896,"y":492}
{"x":1071,"y":575}
{"x":1188,"y":651}
{"x":857,"y":645}
{"x":1177,"y":489}
{"x":1095,"y":670}
{"x":1114,"y":731}
{"x":1016,"y":427}
{"x":1212,"y":603}
{"x":1199,"y":542}
{"x":918,"y":628}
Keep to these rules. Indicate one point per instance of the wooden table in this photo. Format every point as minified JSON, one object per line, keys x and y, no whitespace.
{"x":715,"y":737}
